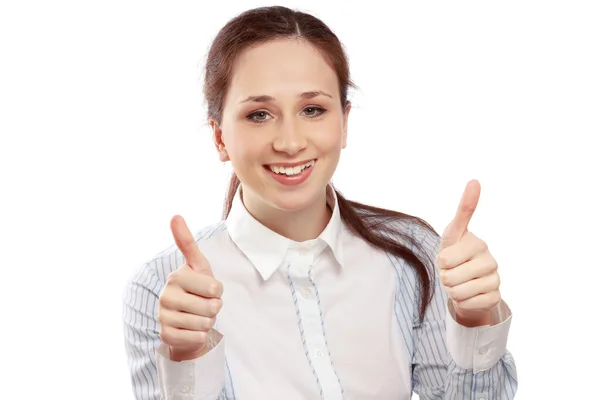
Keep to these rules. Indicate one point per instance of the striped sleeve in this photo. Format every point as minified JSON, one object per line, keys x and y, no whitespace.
{"x":154,"y":376}
{"x":140,"y":305}
{"x":436,"y":374}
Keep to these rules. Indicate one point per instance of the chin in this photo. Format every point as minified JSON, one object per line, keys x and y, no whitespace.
{"x":294,"y":200}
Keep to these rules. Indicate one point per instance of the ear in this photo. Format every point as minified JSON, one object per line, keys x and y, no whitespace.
{"x":218,"y":140}
{"x":345,"y":124}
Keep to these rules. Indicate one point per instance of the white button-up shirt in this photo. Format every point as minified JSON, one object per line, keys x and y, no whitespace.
{"x":330,"y":318}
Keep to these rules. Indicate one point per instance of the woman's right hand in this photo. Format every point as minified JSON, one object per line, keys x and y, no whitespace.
{"x":190,"y":300}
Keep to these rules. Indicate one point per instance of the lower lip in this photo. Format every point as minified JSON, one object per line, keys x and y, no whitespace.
{"x":291,"y":180}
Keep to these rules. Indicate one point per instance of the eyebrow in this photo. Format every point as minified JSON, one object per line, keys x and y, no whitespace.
{"x":265,"y":98}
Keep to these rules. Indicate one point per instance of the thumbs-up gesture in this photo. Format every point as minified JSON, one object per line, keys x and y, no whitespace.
{"x":467,"y":269}
{"x":190,"y":299}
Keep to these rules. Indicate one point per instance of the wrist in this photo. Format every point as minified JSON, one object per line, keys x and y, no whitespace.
{"x":472,"y":319}
{"x":183,"y":354}
{"x":190,"y":353}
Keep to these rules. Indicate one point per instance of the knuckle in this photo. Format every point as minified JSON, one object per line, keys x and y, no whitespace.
{"x":496,"y":297}
{"x":206,"y":324}
{"x":442,"y":260}
{"x":201,"y":337}
{"x":215,"y":288}
{"x":445,"y":278}
{"x":497,"y":281}
{"x":179,"y":275}
{"x":490,"y":268}
{"x":173,"y":278}
{"x":166,"y":300}
{"x":452,"y":292}
{"x":163,"y":299}
{"x":494,"y":265}
{"x":482,"y":246}
{"x":214,"y":307}
{"x":211,"y":323}
{"x":166,"y":336}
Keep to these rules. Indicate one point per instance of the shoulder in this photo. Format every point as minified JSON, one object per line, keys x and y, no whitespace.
{"x":393,"y":228}
{"x":425,"y":235}
{"x":413,"y":232}
{"x":411,"y":248}
{"x":156,"y":269}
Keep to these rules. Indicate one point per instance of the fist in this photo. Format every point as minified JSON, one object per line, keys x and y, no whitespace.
{"x":190,"y":300}
{"x":468,"y":271}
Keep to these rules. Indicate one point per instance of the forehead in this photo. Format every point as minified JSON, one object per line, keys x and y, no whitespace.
{"x":281,"y":68}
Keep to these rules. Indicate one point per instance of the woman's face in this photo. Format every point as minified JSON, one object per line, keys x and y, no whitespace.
{"x":283,"y":126}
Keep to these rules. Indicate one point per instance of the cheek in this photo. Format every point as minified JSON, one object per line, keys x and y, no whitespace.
{"x":244,"y":146}
{"x":330,"y":138}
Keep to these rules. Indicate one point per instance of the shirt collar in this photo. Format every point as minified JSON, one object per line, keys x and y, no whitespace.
{"x":266,"y":249}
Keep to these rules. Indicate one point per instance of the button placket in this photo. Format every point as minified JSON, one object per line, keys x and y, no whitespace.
{"x":302,"y":280}
{"x":306,"y":293}
{"x":319,"y":353}
{"x":185,"y":388}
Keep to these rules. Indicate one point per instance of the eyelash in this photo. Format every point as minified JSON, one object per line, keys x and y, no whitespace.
{"x":250,"y":117}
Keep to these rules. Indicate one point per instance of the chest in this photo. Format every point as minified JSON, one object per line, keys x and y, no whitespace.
{"x":316,"y":327}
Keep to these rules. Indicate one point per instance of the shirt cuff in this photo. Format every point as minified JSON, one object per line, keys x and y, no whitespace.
{"x":478,"y":348}
{"x":200,"y":378}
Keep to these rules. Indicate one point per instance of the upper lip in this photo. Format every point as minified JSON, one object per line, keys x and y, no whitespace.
{"x":290,"y":165}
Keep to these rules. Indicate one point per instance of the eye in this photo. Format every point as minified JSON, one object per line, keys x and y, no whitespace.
{"x":313,"y":111}
{"x":258,"y":117}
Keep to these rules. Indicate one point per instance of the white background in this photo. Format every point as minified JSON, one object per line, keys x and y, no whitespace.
{"x":104,"y":138}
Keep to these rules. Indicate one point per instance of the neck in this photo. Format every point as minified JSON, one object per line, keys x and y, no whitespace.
{"x":300,"y":225}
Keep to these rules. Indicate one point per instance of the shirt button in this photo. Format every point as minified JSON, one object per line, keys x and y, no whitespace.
{"x":319,"y":354}
{"x":185,"y":388}
{"x":306,"y":293}
{"x":483,"y":350}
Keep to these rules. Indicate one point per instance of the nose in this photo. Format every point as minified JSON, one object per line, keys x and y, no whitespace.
{"x":290,"y":138}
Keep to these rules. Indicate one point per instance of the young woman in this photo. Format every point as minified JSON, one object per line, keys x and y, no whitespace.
{"x":299,"y":293}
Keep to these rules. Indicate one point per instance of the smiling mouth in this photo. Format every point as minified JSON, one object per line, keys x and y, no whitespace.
{"x":290,"y":171}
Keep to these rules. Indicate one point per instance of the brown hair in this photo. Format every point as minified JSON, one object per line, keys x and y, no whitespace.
{"x":375,"y":225}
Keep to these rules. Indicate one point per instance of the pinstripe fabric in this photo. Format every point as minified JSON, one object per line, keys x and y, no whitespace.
{"x":312,"y":282}
{"x":301,"y":329}
{"x":310,"y":321}
{"x":435,"y":374}
{"x":141,"y":330}
{"x":431,"y":370}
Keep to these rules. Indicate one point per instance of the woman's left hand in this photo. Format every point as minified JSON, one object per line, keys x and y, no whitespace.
{"x":468,"y":271}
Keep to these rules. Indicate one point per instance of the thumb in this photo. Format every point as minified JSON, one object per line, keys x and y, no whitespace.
{"x":460,"y":223}
{"x":187,"y":245}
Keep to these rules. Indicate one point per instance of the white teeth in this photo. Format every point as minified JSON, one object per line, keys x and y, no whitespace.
{"x":291,"y":170}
